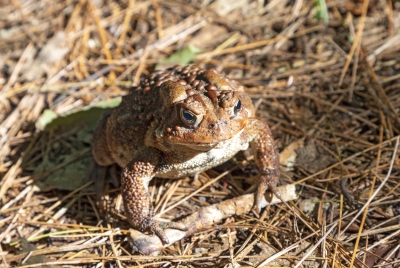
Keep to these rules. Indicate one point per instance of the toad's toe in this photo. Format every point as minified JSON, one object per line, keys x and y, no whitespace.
{"x":158,"y":228}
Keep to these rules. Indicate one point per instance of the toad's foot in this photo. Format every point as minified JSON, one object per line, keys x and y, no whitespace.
{"x":158,"y":227}
{"x":261,"y":192}
{"x":137,"y":201}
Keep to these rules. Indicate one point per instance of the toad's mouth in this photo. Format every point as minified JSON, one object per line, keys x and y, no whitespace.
{"x":206,"y":146}
{"x":203,"y":147}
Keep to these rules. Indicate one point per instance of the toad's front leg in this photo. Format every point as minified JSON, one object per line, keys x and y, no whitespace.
{"x":266,"y":156}
{"x":137,"y":202}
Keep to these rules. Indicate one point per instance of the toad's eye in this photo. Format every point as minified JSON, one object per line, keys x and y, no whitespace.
{"x":237,"y":107}
{"x":189,"y":118}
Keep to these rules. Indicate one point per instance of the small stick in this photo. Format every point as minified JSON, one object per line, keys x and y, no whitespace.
{"x":206,"y":218}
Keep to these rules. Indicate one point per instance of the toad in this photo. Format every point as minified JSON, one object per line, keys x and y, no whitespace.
{"x":179,"y":122}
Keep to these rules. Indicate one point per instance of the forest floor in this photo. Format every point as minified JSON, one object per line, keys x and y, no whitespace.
{"x":325,"y":76}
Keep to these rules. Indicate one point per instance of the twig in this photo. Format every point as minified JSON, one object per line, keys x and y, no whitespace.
{"x":205,"y":218}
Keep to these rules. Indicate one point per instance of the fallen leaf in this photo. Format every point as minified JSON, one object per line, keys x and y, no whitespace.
{"x":181,"y":57}
{"x":90,"y":114}
{"x":68,"y":161}
{"x":69,"y":177}
{"x":313,"y":158}
{"x":28,"y":247}
{"x":288,"y":156}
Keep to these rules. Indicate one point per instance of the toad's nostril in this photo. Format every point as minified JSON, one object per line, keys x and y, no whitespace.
{"x":212,"y":125}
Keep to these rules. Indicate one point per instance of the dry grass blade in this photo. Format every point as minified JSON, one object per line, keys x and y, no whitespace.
{"x":327,"y":84}
{"x":363,"y":208}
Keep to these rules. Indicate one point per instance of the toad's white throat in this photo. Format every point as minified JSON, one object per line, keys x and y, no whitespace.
{"x":204,"y":160}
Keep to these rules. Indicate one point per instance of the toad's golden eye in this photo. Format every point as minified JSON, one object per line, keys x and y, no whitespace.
{"x":189,"y":118}
{"x":237,"y":107}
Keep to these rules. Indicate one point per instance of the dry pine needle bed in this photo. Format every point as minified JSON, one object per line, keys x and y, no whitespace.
{"x":325,"y":76}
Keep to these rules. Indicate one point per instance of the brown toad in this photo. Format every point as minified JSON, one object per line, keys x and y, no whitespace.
{"x":179,"y":122}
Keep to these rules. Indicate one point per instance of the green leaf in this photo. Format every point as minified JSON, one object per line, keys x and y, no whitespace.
{"x":68,"y":158}
{"x":45,"y":119}
{"x":70,"y":177}
{"x":321,"y":11}
{"x":90,"y":114}
{"x":181,"y":57}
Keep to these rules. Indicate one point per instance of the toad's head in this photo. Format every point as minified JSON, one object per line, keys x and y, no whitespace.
{"x":202,"y":108}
